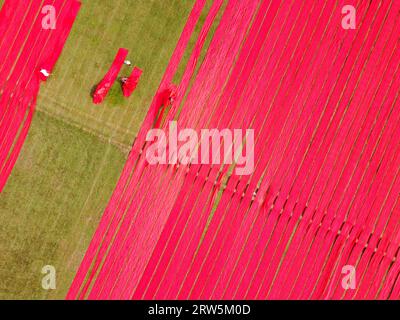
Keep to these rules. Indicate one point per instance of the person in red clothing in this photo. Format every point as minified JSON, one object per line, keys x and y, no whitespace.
{"x":167,"y":98}
{"x":171,"y":97}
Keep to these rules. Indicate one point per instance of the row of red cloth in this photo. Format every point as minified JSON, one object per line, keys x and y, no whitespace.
{"x":25,"y":49}
{"x":324,"y":193}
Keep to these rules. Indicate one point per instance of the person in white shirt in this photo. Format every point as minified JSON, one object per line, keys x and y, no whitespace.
{"x":45,"y":73}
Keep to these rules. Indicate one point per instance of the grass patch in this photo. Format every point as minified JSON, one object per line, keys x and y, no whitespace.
{"x":149,"y":29}
{"x":52,"y":205}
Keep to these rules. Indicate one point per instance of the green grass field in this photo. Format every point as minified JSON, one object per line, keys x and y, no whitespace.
{"x":52,"y":204}
{"x":75,"y":151}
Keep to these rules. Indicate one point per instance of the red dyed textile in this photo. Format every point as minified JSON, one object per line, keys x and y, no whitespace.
{"x":165,"y":99}
{"x":25,"y":49}
{"x":129,"y":86}
{"x":168,"y":95}
{"x":79,"y":287}
{"x":105,"y":85}
{"x":324,"y":192}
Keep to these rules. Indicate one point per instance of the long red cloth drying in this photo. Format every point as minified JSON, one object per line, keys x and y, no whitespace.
{"x":324,"y":193}
{"x":105,"y":85}
{"x":25,"y":49}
